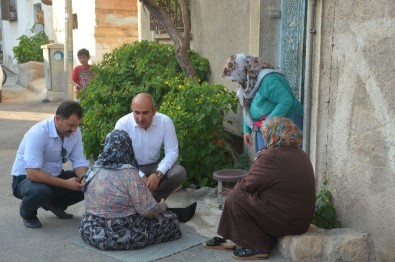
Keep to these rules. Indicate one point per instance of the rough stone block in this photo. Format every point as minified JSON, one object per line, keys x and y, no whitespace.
{"x":341,"y":244}
{"x":303,"y":247}
{"x":27,"y":72}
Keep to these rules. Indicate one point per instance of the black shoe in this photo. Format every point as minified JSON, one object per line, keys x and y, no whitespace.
{"x":32,"y":223}
{"x":60,"y":213}
{"x":186,"y":213}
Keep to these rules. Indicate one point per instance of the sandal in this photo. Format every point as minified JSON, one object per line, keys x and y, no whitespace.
{"x":218,"y":243}
{"x":250,"y":254}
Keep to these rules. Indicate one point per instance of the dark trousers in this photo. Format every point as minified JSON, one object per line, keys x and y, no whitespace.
{"x":35,"y":195}
{"x":173,"y":178}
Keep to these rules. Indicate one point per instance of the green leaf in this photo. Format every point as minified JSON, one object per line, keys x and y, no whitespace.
{"x":325,"y":212}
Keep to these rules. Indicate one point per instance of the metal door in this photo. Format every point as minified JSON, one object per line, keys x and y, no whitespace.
{"x":292,"y":47}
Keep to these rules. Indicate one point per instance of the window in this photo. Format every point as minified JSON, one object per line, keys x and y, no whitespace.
{"x":8,"y":10}
{"x":39,"y":14}
{"x":173,"y":9}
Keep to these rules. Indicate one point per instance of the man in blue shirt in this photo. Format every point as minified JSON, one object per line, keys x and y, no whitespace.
{"x":38,"y":176}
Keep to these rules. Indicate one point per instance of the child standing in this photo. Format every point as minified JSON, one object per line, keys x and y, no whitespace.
{"x":82,"y":75}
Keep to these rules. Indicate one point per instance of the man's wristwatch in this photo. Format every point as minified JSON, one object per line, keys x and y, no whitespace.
{"x":159,"y":174}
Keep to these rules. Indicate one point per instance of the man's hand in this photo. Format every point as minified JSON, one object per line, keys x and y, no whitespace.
{"x":74,"y":184}
{"x":247,"y":139}
{"x":40,"y":176}
{"x":153,"y":182}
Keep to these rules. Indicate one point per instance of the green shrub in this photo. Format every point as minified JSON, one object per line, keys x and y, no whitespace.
{"x":128,"y":70}
{"x":325,"y":212}
{"x":29,"y":48}
{"x":198,"y":109}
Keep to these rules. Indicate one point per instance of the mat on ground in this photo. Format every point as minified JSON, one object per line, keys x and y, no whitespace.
{"x":189,"y":238}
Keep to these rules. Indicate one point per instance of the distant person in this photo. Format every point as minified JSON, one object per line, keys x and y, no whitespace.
{"x":120,"y":211}
{"x":149,"y":131}
{"x":38,"y":176}
{"x":275,"y":199}
{"x":263,"y":93}
{"x":82,"y":74}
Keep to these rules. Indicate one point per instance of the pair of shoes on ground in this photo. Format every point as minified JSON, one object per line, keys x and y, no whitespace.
{"x":32,"y":222}
{"x":219,"y":243}
{"x":60,"y":213}
{"x":35,"y":222}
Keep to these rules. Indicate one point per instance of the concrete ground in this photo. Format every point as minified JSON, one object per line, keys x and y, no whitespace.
{"x":19,"y":110}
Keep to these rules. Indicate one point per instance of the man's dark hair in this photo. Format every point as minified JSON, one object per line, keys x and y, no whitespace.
{"x":83,"y":51}
{"x":68,"y":108}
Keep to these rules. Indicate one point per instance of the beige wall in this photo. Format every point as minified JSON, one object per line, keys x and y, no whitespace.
{"x":353,"y":114}
{"x":220,"y":29}
{"x":116,"y":24}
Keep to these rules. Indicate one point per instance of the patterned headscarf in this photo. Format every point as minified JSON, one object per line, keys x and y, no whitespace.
{"x":117,"y":151}
{"x":248,"y":71}
{"x":281,"y":132}
{"x":245,"y":69}
{"x":117,"y":154}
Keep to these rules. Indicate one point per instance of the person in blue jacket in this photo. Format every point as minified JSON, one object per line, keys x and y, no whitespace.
{"x":263,"y":93}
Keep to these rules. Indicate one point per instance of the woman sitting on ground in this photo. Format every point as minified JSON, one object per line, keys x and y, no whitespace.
{"x":275,"y":199}
{"x":120,"y":211}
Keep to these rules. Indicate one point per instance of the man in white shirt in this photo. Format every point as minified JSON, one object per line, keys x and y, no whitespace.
{"x":149,"y":131}
{"x":38,"y":176}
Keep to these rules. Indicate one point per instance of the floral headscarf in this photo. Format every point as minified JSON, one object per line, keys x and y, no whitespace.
{"x":117,"y":154}
{"x":248,"y":71}
{"x":245,"y":69}
{"x":281,"y":132}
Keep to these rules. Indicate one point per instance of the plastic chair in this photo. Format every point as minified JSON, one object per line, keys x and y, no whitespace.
{"x":227,"y":175}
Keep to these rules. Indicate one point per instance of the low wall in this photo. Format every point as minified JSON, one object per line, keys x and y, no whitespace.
{"x":28,"y":72}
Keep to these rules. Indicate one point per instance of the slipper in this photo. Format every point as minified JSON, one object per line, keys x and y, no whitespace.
{"x":218,"y":243}
{"x":250,"y":254}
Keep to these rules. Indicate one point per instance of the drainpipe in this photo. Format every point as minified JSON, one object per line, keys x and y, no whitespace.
{"x":308,"y":75}
{"x":68,"y":49}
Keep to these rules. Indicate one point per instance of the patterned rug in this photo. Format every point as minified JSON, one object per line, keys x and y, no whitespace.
{"x":189,"y":238}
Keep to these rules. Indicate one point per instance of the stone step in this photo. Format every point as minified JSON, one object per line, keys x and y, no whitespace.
{"x":317,"y":244}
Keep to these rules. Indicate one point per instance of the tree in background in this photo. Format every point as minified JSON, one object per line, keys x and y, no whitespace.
{"x":181,"y":40}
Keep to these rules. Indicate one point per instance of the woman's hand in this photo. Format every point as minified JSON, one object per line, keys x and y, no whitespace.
{"x":247,"y":139}
{"x":163,"y":201}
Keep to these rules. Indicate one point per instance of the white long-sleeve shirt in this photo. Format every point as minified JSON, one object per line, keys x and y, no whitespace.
{"x":147,"y":143}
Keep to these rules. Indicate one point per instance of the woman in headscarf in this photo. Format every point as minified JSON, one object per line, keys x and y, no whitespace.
{"x":263,"y":93}
{"x":275,"y":199}
{"x":120,"y":211}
